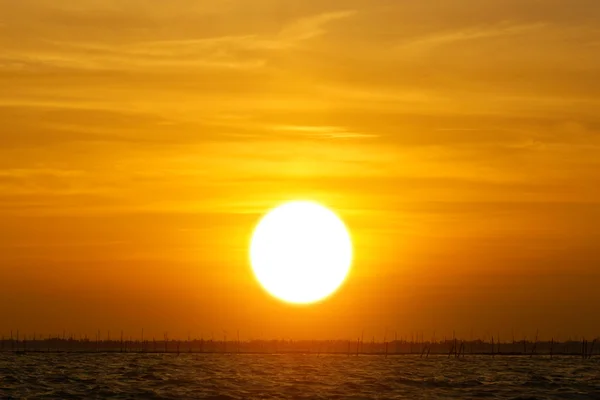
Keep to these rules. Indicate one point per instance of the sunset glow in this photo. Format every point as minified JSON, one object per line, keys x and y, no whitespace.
{"x":141,"y":142}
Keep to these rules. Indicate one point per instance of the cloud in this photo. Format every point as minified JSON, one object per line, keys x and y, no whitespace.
{"x":143,"y":53}
{"x":472,"y":33}
{"x":311,"y":27}
{"x":219,"y":53}
{"x":128,"y":82}
{"x":323,"y":132}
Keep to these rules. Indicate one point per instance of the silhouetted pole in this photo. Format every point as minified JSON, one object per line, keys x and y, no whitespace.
{"x":534,"y":349}
{"x":592,"y":349}
{"x":386,"y":349}
{"x":498,"y":347}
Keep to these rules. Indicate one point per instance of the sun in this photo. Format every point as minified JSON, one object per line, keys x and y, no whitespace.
{"x":301,"y":252}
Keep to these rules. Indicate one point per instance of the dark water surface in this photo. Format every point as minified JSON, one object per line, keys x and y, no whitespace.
{"x":127,"y":376}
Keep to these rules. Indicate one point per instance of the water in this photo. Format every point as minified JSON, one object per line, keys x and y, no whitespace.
{"x":126,"y":376}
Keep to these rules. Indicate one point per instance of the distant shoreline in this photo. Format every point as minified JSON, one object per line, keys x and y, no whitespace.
{"x":449,"y":348}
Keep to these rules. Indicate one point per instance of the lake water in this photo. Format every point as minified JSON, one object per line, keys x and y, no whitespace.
{"x":124,"y":376}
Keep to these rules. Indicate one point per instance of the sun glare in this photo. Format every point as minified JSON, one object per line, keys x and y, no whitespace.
{"x":301,"y":252}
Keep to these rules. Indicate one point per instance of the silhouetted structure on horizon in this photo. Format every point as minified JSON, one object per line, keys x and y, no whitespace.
{"x":450,"y":347}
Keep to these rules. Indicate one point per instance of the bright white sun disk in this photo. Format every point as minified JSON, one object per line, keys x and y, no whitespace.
{"x":301,"y":252}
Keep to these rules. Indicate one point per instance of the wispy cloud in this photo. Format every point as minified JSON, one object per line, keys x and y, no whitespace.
{"x":248,"y":51}
{"x":505,"y":28}
{"x":324,"y":132}
{"x":310,"y":27}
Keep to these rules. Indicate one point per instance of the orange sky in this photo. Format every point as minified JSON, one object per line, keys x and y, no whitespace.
{"x":141,"y":141}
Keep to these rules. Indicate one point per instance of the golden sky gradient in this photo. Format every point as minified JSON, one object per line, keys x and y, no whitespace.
{"x":141,"y":141}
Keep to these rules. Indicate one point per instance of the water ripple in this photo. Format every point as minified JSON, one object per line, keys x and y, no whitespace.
{"x":233,"y":377}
